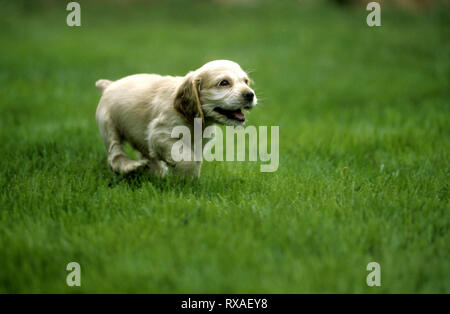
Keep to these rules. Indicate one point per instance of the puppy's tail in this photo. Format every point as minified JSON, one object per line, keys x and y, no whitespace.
{"x":102,"y":84}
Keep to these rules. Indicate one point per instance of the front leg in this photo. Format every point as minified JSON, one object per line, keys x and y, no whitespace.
{"x":157,"y":168}
{"x":160,"y":143}
{"x":183,"y":168}
{"x":163,"y":151}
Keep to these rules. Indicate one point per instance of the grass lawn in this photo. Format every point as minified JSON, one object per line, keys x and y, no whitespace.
{"x":364,"y":122}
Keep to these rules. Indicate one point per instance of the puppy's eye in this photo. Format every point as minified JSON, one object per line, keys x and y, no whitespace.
{"x":246,"y":81}
{"x":224,"y":83}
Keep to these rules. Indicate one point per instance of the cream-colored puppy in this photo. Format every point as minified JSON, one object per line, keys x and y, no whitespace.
{"x":144,"y":108}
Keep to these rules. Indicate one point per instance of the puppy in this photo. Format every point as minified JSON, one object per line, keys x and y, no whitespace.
{"x":143,"y":109}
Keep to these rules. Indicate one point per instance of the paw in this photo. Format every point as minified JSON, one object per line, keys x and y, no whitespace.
{"x":158,"y":169}
{"x":132,"y":166}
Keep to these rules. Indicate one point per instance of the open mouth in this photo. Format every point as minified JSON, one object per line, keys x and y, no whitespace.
{"x":231,"y":114}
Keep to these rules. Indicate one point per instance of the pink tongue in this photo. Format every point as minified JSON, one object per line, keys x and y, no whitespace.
{"x":238,"y":115}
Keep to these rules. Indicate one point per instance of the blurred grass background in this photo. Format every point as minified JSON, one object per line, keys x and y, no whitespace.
{"x":364,"y":142}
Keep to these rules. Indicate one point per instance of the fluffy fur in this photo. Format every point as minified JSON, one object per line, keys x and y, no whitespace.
{"x":144,"y":108}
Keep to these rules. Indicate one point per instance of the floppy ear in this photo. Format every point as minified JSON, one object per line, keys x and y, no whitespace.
{"x":187,"y":101}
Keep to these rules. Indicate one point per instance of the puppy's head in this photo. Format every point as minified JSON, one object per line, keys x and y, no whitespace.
{"x":219,"y":91}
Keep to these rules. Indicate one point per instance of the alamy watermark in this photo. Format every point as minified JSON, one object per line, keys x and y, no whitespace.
{"x":374,"y":277}
{"x":374,"y":17}
{"x":74,"y":277}
{"x":74,"y":17}
{"x":208,"y":144}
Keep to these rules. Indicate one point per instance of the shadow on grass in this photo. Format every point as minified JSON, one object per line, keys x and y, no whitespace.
{"x":136,"y":179}
{"x":205,"y":186}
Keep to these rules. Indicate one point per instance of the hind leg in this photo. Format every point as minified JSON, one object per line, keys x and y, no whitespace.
{"x":120,"y":163}
{"x":118,"y":160}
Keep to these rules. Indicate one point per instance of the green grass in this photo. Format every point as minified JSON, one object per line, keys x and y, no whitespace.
{"x":364,"y":152}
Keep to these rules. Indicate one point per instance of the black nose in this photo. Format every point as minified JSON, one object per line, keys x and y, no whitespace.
{"x":248,"y":96}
